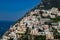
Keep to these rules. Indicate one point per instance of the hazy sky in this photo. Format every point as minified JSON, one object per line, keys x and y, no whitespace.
{"x":11,"y":10}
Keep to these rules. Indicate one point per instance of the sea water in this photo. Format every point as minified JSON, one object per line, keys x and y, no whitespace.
{"x":4,"y":26}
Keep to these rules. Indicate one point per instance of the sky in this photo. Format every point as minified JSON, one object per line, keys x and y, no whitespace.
{"x":12,"y":10}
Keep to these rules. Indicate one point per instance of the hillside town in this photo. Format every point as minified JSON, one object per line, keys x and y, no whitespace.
{"x":36,"y":25}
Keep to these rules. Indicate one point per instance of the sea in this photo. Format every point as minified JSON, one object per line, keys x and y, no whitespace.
{"x":4,"y":26}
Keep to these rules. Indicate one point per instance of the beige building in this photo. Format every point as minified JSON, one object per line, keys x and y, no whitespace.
{"x":58,"y":14}
{"x":54,"y":10}
{"x":45,"y":15}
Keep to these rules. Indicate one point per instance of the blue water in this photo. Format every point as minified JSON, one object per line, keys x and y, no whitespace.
{"x":4,"y":26}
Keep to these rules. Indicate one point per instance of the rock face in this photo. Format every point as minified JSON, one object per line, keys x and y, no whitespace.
{"x":51,"y":3}
{"x":42,"y":22}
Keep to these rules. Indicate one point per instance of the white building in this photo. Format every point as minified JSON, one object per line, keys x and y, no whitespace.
{"x":52,"y":16}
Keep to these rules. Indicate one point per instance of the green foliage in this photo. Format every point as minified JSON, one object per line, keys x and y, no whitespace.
{"x":55,"y":19}
{"x":56,"y":34}
{"x":25,"y":37}
{"x":40,"y":37}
